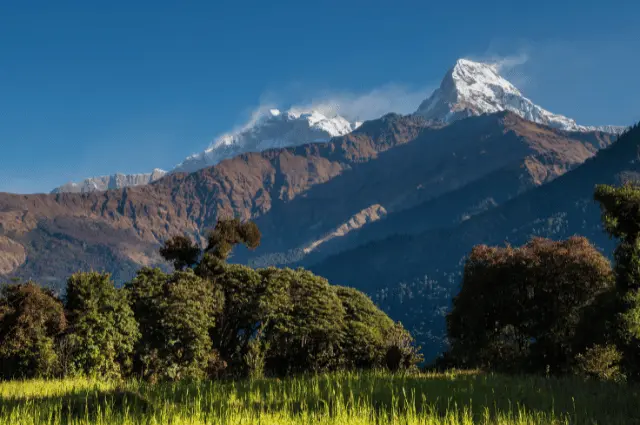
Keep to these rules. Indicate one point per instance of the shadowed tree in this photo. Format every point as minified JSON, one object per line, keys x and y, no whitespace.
{"x":231,"y":232}
{"x":180,"y":251}
{"x":520,"y":309}
{"x":207,"y":263}
{"x":31,"y":321}
{"x":370,"y":338}
{"x":621,"y":218}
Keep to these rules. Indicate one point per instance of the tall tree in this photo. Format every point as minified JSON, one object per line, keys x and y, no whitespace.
{"x":31,"y":321}
{"x":520,"y":309}
{"x":181,"y":251}
{"x":621,"y":218}
{"x":231,"y":232}
{"x":208,"y":263}
{"x":306,"y":334}
{"x":251,"y":305}
{"x":176,"y":313}
{"x":102,"y":329}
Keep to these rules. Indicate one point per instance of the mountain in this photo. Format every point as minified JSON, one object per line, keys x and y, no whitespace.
{"x":302,"y":197}
{"x":501,"y":155}
{"x":468,"y":89}
{"x":274,"y":129}
{"x":48,"y":237}
{"x":114,"y":181}
{"x":473,"y":88}
{"x":374,"y":208}
{"x":414,"y":275}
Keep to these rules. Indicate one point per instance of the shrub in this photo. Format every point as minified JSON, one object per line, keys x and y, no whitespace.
{"x":600,"y":362}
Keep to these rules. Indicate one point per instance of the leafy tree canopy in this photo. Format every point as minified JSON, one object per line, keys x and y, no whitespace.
{"x":102,"y":330}
{"x":520,"y":309}
{"x":31,"y":321}
{"x":176,"y":313}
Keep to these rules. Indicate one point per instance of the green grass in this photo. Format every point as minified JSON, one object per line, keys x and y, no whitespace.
{"x":343,"y":398}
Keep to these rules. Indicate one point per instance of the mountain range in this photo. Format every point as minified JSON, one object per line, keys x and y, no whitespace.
{"x":390,"y":206}
{"x":269,"y":130}
{"x":468,"y":89}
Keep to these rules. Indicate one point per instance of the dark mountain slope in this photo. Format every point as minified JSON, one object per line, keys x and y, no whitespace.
{"x":483,"y":160}
{"x":399,"y":264}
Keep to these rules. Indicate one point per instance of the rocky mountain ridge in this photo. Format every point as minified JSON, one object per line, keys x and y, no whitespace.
{"x":307,"y":196}
{"x":468,"y":89}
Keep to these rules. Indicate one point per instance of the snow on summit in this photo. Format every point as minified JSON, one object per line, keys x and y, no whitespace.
{"x":469,"y":88}
{"x":272,"y":129}
{"x":475,"y":88}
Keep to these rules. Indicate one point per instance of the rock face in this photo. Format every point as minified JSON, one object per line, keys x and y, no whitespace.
{"x":115,"y":181}
{"x":323,"y":191}
{"x":13,"y":255}
{"x":367,"y":215}
{"x":473,"y":88}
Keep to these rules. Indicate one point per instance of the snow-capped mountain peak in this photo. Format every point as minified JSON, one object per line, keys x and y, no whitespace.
{"x":271,"y":129}
{"x":475,"y":88}
{"x":114,"y":181}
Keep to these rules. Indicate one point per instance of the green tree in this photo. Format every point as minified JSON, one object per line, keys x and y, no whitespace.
{"x":252,"y":304}
{"x":366,"y":329}
{"x":102,"y":330}
{"x":209,"y":263}
{"x":520,"y":309}
{"x":273,"y":320}
{"x":180,"y":251}
{"x":370,"y":338}
{"x":401,"y":352}
{"x":306,"y":334}
{"x":231,"y":232}
{"x":176,"y":313}
{"x":621,"y":218}
{"x":31,"y":321}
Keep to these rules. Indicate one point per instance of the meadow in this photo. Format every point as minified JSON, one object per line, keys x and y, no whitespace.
{"x":341,"y":398}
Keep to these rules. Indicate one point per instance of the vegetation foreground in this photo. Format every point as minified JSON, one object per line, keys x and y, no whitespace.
{"x":340,"y":398}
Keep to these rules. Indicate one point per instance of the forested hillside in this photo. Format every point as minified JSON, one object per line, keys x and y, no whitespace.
{"x":413,"y":277}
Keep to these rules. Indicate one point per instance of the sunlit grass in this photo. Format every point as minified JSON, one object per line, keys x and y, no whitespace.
{"x":343,"y":398}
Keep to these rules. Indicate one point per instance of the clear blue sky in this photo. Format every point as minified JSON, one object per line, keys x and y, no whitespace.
{"x":128,"y":86}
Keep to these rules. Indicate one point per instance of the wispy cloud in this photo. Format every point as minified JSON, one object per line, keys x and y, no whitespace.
{"x":510,"y":66}
{"x":371,"y":104}
{"x":354,"y":106}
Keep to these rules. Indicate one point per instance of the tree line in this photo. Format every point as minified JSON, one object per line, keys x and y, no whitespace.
{"x":205,"y":319}
{"x":554,"y":306}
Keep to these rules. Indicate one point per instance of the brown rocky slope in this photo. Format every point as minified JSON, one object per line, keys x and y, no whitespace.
{"x":298,"y":195}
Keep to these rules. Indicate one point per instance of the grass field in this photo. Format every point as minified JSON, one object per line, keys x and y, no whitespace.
{"x":344,"y":398}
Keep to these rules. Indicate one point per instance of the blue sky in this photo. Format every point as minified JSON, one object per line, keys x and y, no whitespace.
{"x":128,"y":86}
